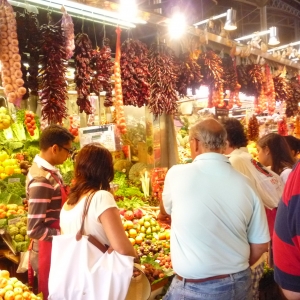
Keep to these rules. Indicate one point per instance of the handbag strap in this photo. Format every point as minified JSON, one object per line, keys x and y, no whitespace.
{"x":87,"y":203}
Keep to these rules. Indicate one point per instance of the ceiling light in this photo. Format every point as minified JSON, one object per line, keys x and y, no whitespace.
{"x":230,"y":23}
{"x":212,"y":18}
{"x":128,"y":9}
{"x":177,"y":24}
{"x":85,"y":11}
{"x":273,"y":40}
{"x":284,"y":46}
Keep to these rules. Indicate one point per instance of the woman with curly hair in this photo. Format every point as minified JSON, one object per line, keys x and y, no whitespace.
{"x":274,"y":151}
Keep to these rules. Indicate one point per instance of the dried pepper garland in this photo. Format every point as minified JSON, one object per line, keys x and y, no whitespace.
{"x":189,"y":75}
{"x":253,"y":129}
{"x":212,"y":70}
{"x":163,"y":97}
{"x":269,"y":89}
{"x":282,"y":127}
{"x":102,"y":67}
{"x":134,"y":73}
{"x":292,"y":103}
{"x":83,"y":71}
{"x":52,"y":74}
{"x":283,"y":90}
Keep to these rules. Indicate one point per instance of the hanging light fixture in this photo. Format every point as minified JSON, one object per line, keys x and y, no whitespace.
{"x":273,"y":40}
{"x":230,"y":23}
{"x":177,"y":24}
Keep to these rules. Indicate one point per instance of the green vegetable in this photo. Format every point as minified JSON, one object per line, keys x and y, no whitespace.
{"x":129,"y":192}
{"x":7,"y":198}
{"x":16,"y":188}
{"x":136,"y":170}
{"x":14,"y":230}
{"x":67,"y":166}
{"x":19,"y":131}
{"x":23,"y":230}
{"x":20,"y":225}
{"x":122,"y":165}
{"x":67,"y":177}
{"x":19,"y":238}
{"x":24,"y":220}
{"x":132,"y":203}
{"x":3,"y":223}
{"x":21,"y":176}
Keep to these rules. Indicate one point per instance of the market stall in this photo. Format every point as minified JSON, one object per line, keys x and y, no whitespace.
{"x":137,"y":99}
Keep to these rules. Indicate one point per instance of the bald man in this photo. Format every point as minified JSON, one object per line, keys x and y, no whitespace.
{"x":218,"y":225}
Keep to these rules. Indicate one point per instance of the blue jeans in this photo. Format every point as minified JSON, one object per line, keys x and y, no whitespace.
{"x":236,"y":287}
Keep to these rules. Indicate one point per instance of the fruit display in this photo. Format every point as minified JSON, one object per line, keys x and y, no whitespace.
{"x":252,"y":149}
{"x":5,"y":119}
{"x":30,"y":122}
{"x":13,"y":289}
{"x":8,"y":166}
{"x":18,"y":234}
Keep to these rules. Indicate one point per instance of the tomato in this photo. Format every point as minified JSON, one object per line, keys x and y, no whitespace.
{"x":32,"y":122}
{"x":31,"y":131}
{"x":34,"y":127}
{"x":28,"y":119}
{"x":29,"y":126}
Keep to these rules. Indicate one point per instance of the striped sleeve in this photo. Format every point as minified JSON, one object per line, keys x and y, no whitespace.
{"x":40,"y":192}
{"x":286,"y":237}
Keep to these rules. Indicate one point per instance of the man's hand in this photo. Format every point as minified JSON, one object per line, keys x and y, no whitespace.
{"x":164,"y":218}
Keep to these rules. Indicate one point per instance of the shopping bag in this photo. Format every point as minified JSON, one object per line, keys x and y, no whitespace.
{"x":79,"y":271}
{"x":269,"y":184}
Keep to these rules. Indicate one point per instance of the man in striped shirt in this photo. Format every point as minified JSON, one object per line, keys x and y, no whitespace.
{"x":46,"y":194}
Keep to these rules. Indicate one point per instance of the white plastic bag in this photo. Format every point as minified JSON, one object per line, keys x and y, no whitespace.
{"x":269,"y":184}
{"x":81,"y":271}
{"x":23,"y":264}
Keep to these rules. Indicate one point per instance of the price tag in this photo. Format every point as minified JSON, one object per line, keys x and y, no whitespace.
{"x":221,"y":112}
{"x":13,"y":180}
{"x":14,"y":221}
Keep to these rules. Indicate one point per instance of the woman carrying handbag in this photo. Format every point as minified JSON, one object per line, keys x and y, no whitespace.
{"x":90,"y":221}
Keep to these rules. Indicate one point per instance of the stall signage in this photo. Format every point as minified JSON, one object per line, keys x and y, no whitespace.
{"x":221,"y":112}
{"x":107,"y":135}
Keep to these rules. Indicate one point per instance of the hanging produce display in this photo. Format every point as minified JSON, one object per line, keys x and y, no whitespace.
{"x":53,"y":74}
{"x":27,"y":27}
{"x":189,"y":75}
{"x":83,"y":71}
{"x":253,"y":129}
{"x":162,"y":68}
{"x":119,"y":106}
{"x":282,"y":127}
{"x":212,"y":70}
{"x":292,"y":103}
{"x":134,"y":73}
{"x":101,"y":66}
{"x":11,"y":73}
{"x":269,"y":89}
{"x":67,"y":27}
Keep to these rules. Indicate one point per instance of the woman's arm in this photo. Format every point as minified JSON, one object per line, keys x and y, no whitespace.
{"x":114,"y":230}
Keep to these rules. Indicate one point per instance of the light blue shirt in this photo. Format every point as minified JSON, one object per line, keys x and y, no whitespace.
{"x":215,"y":215}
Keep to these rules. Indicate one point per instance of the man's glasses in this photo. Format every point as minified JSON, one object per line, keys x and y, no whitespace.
{"x":69,"y":150}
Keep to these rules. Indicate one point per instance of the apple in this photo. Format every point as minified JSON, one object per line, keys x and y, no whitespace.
{"x":3,"y":282}
{"x":4,"y":274}
{"x":132,"y":233}
{"x":18,"y":290}
{"x":147,"y":224}
{"x":122,"y":211}
{"x":138,"y":213}
{"x":128,"y":215}
{"x":141,"y":221}
{"x":9,"y":295}
{"x":129,"y":224}
{"x":147,"y":218}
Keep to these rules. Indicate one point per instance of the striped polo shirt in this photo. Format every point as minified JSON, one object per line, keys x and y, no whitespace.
{"x":44,"y":200}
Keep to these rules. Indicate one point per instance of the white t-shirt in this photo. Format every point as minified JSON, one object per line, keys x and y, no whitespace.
{"x":285,"y":174}
{"x":70,"y":220}
{"x":215,"y":214}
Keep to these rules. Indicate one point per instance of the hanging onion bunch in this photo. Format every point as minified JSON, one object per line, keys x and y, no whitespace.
{"x":189,"y":75}
{"x":162,"y":68}
{"x":11,"y":73}
{"x":83,"y":71}
{"x":212,"y":70}
{"x":52,"y":74}
{"x":67,"y":27}
{"x":253,"y":129}
{"x":134,"y":73}
{"x":102,"y":67}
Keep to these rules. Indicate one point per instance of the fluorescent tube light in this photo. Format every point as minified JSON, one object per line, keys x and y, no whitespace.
{"x":284,"y":46}
{"x":250,"y":36}
{"x":212,"y":18}
{"x":88,"y":12}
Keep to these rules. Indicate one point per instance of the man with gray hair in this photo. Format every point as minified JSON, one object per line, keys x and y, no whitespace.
{"x":218,"y":222}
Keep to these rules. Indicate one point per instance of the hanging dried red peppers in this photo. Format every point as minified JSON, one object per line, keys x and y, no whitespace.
{"x":52,"y":74}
